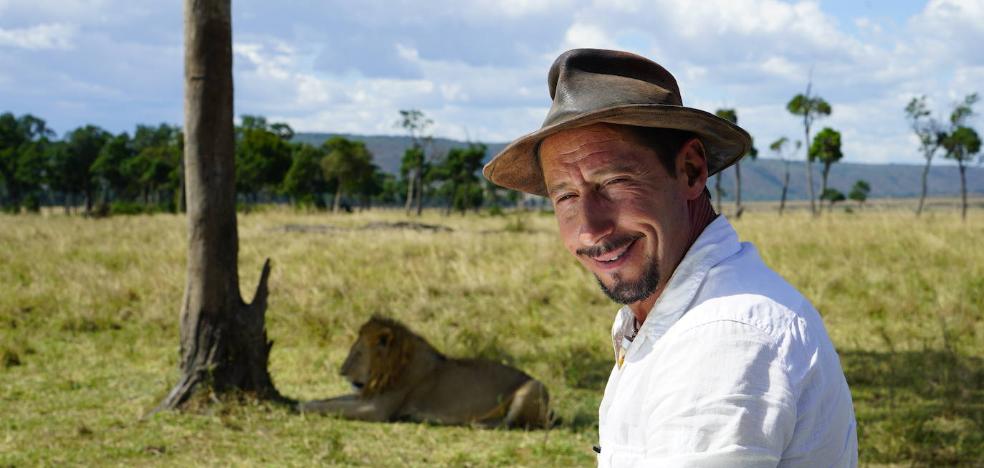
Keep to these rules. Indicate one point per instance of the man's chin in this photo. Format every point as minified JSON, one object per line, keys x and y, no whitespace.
{"x":629,"y":291}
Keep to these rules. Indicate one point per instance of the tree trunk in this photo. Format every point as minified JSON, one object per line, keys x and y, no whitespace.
{"x":823,"y":182}
{"x":181,"y":187}
{"x":963,"y":190}
{"x":338,"y":198}
{"x":88,"y":201}
{"x":785,"y":189}
{"x":410,"y":189}
{"x":420,"y":186}
{"x":224,"y":347}
{"x":925,"y":187}
{"x":738,"y":208}
{"x":809,"y":172}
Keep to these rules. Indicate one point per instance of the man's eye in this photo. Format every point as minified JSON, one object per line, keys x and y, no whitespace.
{"x":616,"y":180}
{"x":563,"y":197}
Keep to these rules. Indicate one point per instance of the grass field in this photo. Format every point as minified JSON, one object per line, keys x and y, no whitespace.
{"x":89,"y":333}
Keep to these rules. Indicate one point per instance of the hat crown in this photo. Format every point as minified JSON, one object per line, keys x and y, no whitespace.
{"x":589,"y":86}
{"x":582,"y":80}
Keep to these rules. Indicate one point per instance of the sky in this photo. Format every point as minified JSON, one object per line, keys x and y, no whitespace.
{"x":478,"y":67}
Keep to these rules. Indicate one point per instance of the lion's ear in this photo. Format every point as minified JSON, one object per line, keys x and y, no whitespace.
{"x":384,"y":338}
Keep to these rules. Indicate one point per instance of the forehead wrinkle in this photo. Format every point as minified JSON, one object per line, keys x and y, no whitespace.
{"x":567,"y":168}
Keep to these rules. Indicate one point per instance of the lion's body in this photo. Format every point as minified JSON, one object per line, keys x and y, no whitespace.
{"x":399,"y":376}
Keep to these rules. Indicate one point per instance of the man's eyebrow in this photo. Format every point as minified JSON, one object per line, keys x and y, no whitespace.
{"x":598,"y":173}
{"x":616,"y":169}
{"x":557,"y":187}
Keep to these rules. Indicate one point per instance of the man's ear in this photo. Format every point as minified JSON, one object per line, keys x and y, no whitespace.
{"x":692,"y":168}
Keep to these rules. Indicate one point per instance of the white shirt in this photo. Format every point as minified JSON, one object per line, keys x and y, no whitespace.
{"x":732,"y":368}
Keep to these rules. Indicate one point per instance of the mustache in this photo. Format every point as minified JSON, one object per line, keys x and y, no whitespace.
{"x":608,"y":245}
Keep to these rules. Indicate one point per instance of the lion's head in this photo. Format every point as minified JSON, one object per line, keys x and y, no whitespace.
{"x":378,"y":356}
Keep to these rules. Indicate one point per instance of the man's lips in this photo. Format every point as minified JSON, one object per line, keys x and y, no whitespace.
{"x":613,"y":254}
{"x":608,"y":258}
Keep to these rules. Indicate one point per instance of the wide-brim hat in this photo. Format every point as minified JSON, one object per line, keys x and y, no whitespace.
{"x":589,"y":86}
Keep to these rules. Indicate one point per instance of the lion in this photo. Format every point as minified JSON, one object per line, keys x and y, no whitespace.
{"x":397,"y":375}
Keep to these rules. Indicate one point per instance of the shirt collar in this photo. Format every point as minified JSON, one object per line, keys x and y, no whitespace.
{"x":717,"y":242}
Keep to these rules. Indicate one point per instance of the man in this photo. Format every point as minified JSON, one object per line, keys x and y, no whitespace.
{"x":719,"y":362}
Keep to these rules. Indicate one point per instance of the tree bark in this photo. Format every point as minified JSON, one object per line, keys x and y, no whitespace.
{"x":410,"y":189}
{"x":823,"y":182}
{"x":420,"y":185}
{"x":925,"y":187}
{"x":336,"y":205}
{"x":785,"y":189}
{"x":224,"y":346}
{"x":88,"y":201}
{"x":181,"y":187}
{"x":809,"y":171}
{"x":963,"y":190}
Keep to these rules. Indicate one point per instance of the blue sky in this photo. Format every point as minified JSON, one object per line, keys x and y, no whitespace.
{"x":478,"y":67}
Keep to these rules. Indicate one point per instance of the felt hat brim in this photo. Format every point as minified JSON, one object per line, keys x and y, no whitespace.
{"x":517,"y":166}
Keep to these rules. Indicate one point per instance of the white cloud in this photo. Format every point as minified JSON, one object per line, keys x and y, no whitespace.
{"x":43,"y":36}
{"x":519,"y":8}
{"x":478,"y":68}
{"x":951,"y":30}
{"x":587,"y":35}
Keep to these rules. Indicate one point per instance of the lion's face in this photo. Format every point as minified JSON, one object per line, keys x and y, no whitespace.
{"x":375,"y":358}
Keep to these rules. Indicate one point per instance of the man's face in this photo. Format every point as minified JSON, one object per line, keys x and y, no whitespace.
{"x":620,"y":213}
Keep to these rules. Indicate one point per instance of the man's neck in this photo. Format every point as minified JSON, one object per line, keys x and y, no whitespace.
{"x":701,"y":214}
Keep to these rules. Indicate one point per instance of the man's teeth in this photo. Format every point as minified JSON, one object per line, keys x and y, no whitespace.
{"x":601,"y":258}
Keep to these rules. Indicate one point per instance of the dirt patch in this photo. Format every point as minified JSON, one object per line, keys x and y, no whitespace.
{"x":407,"y":225}
{"x":326,"y":228}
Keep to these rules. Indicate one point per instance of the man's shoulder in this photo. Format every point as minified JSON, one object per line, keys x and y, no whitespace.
{"x":745,"y":274}
{"x":743,"y":290}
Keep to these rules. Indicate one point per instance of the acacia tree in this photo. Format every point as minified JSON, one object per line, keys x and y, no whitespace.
{"x":859,"y":192}
{"x":810,"y":108}
{"x":833,"y":196}
{"x":416,"y":124}
{"x":108,"y":170}
{"x":305,"y":182}
{"x":24,"y":148}
{"x":156,"y":163}
{"x":73,"y":166}
{"x":779,"y":147}
{"x":224,"y":347}
{"x":961,"y":145}
{"x":263,"y":155}
{"x":460,"y":186}
{"x":930,"y":133}
{"x":826,"y":148}
{"x":348,"y":164}
{"x":732,"y":116}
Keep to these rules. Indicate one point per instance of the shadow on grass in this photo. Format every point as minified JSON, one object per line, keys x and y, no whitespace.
{"x":922,"y":407}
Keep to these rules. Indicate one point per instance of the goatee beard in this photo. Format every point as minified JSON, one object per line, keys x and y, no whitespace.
{"x":626,"y":292}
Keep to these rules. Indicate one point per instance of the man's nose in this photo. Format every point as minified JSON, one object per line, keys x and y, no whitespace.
{"x":597,"y":220}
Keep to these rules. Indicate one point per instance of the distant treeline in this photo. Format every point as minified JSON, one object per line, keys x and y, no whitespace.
{"x":102,"y":173}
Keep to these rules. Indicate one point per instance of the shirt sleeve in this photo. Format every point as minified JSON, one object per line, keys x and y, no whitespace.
{"x":720,"y":395}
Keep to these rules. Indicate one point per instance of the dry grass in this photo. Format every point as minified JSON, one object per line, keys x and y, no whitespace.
{"x":89,"y":315}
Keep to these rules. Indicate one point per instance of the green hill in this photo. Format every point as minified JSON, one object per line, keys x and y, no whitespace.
{"x":761,"y":179}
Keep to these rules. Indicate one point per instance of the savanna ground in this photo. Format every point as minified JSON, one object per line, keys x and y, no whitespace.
{"x":89,"y":333}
